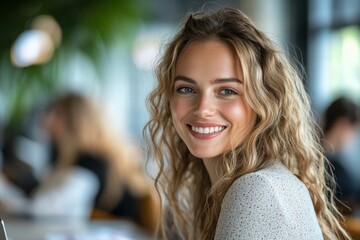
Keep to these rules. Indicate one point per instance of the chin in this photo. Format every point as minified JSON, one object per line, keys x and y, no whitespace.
{"x":205,"y":155}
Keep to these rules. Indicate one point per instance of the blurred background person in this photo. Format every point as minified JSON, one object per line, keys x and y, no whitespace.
{"x":92,"y":173}
{"x":340,"y":123}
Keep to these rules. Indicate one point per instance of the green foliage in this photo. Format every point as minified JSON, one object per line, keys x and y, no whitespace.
{"x":87,"y":26}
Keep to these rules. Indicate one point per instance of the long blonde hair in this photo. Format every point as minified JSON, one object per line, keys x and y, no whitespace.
{"x":285,"y":129}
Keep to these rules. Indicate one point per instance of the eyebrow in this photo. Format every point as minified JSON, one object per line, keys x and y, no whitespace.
{"x":218,"y":80}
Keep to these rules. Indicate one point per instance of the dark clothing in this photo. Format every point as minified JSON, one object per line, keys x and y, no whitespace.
{"x":345,"y":187}
{"x":128,"y":205}
{"x":97,"y":166}
{"x":15,"y":169}
{"x":347,"y":191}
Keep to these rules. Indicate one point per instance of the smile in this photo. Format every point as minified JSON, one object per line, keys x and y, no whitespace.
{"x":207,"y":130}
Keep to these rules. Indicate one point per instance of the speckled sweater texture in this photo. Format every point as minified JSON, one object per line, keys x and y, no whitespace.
{"x":271,"y":203}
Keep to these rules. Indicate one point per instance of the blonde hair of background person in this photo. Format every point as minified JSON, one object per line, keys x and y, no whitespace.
{"x":284,"y":129}
{"x":78,"y":126}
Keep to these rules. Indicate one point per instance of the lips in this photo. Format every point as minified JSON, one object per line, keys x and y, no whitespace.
{"x":206,"y":131}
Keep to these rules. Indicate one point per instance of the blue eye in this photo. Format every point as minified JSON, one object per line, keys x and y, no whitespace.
{"x":185,"y":90}
{"x":227,"y":92}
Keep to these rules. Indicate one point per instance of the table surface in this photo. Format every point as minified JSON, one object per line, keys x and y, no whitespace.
{"x":75,"y":230}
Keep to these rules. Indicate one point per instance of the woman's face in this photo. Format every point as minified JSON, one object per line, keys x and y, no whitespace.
{"x":208,"y":106}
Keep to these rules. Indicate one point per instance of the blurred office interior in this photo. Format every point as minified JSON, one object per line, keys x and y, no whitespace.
{"x":107,"y":49}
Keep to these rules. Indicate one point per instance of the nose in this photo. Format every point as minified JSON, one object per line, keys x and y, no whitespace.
{"x":205,"y":106}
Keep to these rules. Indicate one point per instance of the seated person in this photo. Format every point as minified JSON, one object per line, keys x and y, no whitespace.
{"x":90,"y":168}
{"x":341,"y":119}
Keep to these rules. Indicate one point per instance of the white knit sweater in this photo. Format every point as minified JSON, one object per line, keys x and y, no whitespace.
{"x":271,"y":203}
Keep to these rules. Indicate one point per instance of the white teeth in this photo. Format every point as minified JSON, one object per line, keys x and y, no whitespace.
{"x":207,"y":130}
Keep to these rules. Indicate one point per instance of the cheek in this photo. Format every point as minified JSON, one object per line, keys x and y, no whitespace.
{"x":240,"y":111}
{"x":349,"y":135}
{"x":241,"y":116}
{"x":178,"y":109}
{"x":235,"y":110}
{"x":178,"y":112}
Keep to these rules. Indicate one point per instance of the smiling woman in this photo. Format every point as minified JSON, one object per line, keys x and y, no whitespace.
{"x":208,"y":105}
{"x":232,"y":131}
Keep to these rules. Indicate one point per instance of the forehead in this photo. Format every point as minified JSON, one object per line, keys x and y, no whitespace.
{"x":209,"y":58}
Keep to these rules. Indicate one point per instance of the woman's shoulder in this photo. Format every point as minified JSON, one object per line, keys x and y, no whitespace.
{"x":272,"y":186}
{"x":273,"y":179}
{"x":269,"y":203}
